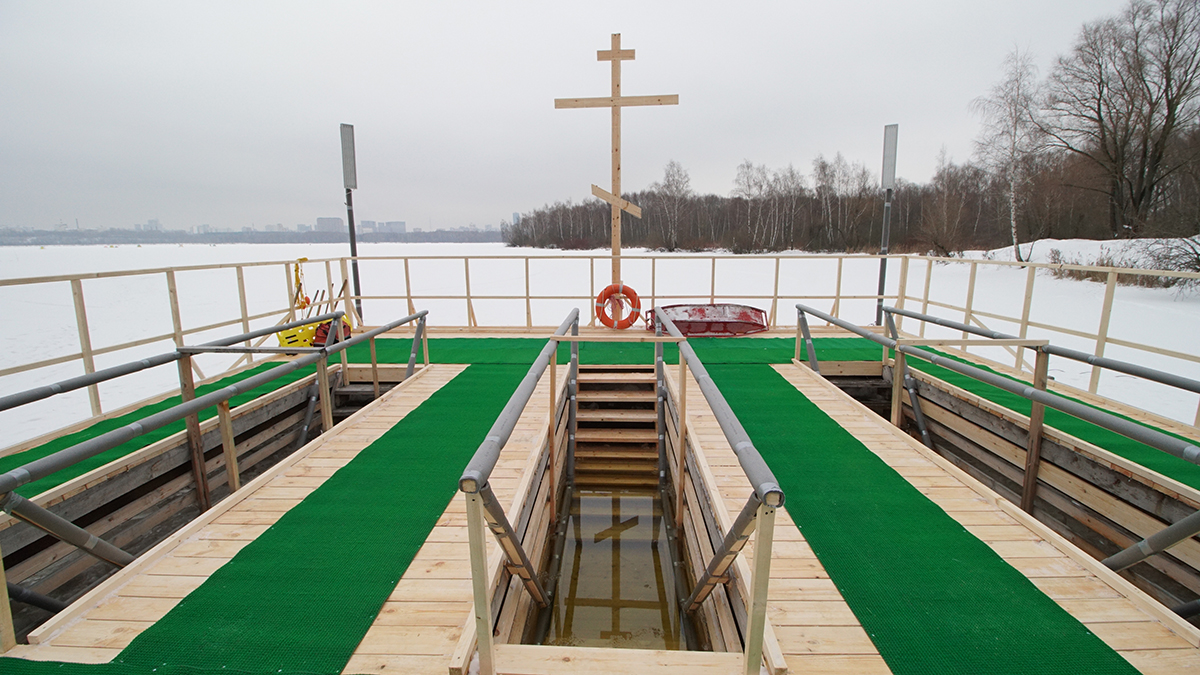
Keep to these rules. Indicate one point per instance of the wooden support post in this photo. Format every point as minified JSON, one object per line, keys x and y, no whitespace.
{"x":241,"y":281}
{"x":528,"y":306}
{"x":408,"y":294}
{"x":653,"y":281}
{"x":898,"y":365}
{"x":1033,"y":451}
{"x":592,"y":291}
{"x":1196,"y":423}
{"x":470,"y":309}
{"x":347,"y":307}
{"x":348,"y":299}
{"x":329,"y":284}
{"x":326,"y":395}
{"x":712,"y":282}
{"x":8,"y":634}
{"x":187,"y":391}
{"x":476,"y":536}
{"x":85,"y":343}
{"x":1110,"y":288}
{"x":970,"y":296}
{"x":902,"y":290}
{"x":799,"y":337}
{"x":291,"y":290}
{"x":837,"y":293}
{"x":229,"y":446}
{"x":425,"y":343}
{"x":374,"y":369}
{"x":1030,"y":274}
{"x":925,"y":296}
{"x":551,"y":427}
{"x":681,"y":449}
{"x":774,"y":296}
{"x":763,"y":538}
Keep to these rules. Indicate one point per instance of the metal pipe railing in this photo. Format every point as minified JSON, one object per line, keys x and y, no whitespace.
{"x":755,"y":467}
{"x":1156,"y":543}
{"x":484,"y":460}
{"x":54,"y":524}
{"x":1152,"y":437}
{"x":40,"y":468}
{"x":71,"y":384}
{"x":1134,"y":369}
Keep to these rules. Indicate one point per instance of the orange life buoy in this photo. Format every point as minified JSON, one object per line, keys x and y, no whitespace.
{"x":621,"y":290}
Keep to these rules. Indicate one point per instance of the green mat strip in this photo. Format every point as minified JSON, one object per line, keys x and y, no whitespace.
{"x":300,"y":597}
{"x":932,"y":597}
{"x":104,"y":426}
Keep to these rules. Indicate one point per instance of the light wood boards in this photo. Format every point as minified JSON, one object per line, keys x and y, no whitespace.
{"x":1105,"y":603}
{"x":112,"y":614}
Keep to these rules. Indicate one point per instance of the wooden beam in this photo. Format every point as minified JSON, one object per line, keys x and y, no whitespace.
{"x":898,"y":369}
{"x":614,"y":54}
{"x":623,"y":204}
{"x":1110,"y":288}
{"x":8,"y":636}
{"x":187,"y":392}
{"x":616,"y":101}
{"x":326,"y":394}
{"x":229,"y":446}
{"x":85,"y":343}
{"x":1033,"y":452}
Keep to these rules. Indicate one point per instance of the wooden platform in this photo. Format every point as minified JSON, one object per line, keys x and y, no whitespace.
{"x":1143,"y":631}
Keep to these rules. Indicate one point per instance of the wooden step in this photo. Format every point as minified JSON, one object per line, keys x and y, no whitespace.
{"x":616,"y":435}
{"x":622,"y":467}
{"x":608,"y":481}
{"x":617,"y":378}
{"x":647,"y":396}
{"x":606,"y":451}
{"x":622,"y":367}
{"x":616,"y":415}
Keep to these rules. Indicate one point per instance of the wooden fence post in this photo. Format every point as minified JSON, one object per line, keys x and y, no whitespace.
{"x":229,"y":446}
{"x":774,"y":295}
{"x":291,"y":289}
{"x":902,"y":290}
{"x":477,"y":540}
{"x":528,"y":307}
{"x":681,"y":448}
{"x":471,"y":322}
{"x":187,"y":392}
{"x":408,"y":294}
{"x":374,"y":370}
{"x":712,"y":282}
{"x":1030,"y":275}
{"x":592,"y":291}
{"x":970,"y":297}
{"x":898,"y":364}
{"x":551,"y":428}
{"x":653,"y":280}
{"x":1037,"y":415}
{"x":241,"y":279}
{"x":348,"y":298}
{"x":1110,"y":288}
{"x":177,"y":320}
{"x":85,"y":343}
{"x":763,"y":539}
{"x":837,"y":292}
{"x":326,"y":394}
{"x":925,"y":296}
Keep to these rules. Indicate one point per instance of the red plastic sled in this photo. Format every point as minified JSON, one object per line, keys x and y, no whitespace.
{"x":720,"y":320}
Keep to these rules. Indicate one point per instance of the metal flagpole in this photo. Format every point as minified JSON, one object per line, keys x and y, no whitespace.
{"x":888,"y":183}
{"x":350,"y":180}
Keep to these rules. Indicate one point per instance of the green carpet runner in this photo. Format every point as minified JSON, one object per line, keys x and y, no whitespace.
{"x":932,"y":597}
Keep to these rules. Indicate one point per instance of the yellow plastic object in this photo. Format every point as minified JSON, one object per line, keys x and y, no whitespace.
{"x":297,"y":337}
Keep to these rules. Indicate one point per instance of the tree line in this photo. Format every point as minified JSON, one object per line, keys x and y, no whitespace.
{"x":1106,"y":146}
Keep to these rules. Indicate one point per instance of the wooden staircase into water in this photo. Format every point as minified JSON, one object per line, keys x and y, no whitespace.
{"x":616,"y":440}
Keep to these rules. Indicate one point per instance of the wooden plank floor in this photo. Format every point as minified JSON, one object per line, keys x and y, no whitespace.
{"x":420,"y":623}
{"x":812,"y":622}
{"x":1147,"y":634}
{"x":107,"y":619}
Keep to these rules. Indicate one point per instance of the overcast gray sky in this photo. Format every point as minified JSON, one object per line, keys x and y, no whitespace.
{"x":227,"y":113}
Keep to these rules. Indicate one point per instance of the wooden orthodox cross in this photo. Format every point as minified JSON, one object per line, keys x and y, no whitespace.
{"x":616,"y":55}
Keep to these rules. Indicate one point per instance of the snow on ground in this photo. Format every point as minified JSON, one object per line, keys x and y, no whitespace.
{"x":127,"y":308}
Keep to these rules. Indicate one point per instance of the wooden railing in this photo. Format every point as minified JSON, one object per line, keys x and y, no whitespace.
{"x":495,"y":291}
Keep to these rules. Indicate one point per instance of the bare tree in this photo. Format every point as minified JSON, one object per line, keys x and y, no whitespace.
{"x":674,"y":196}
{"x":1130,"y":85}
{"x":1010,"y":134}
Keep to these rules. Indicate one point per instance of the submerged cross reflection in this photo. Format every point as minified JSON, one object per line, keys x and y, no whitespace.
{"x":617,"y":585}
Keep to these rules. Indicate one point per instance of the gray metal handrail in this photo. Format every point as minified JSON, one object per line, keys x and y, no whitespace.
{"x":755,"y":467}
{"x":475,"y":475}
{"x":1134,"y":369}
{"x":40,"y":468}
{"x":71,"y":384}
{"x":1152,"y":437}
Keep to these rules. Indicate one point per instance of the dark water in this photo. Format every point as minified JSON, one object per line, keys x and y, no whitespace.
{"x":617,"y":587}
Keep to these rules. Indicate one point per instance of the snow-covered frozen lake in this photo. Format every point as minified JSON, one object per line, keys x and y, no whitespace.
{"x":121,"y":309}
